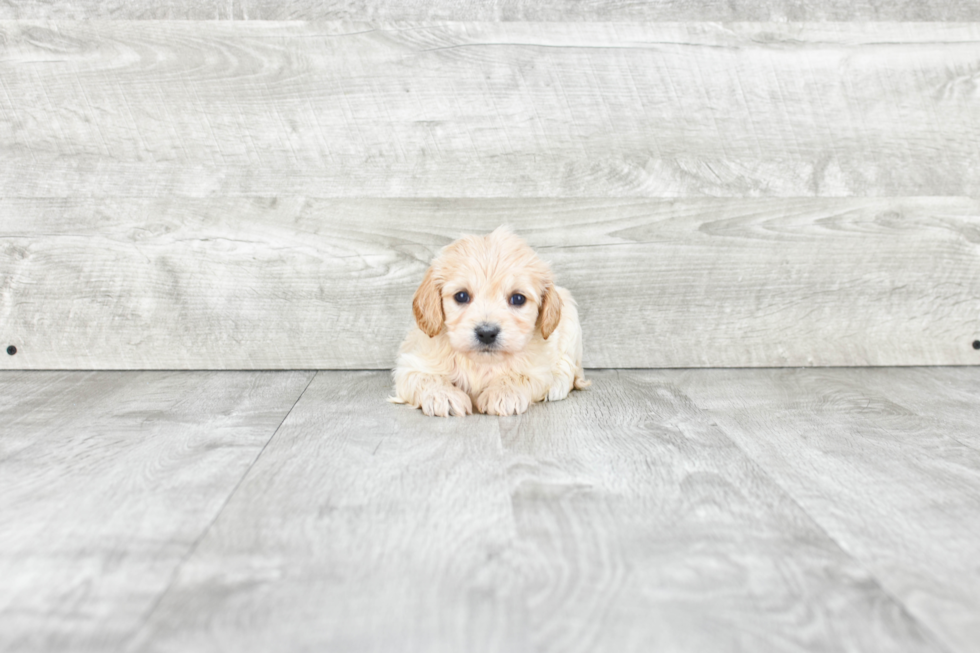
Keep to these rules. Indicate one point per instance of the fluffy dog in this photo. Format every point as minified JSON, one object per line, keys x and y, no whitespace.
{"x":492,"y":332}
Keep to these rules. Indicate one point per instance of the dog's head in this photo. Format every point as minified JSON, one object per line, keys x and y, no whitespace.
{"x":490,"y":293}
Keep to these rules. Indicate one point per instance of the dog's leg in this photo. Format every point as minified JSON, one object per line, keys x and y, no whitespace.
{"x":564,"y":378}
{"x":511,"y":394}
{"x":434,"y":394}
{"x":568,"y":374}
{"x":560,"y":388}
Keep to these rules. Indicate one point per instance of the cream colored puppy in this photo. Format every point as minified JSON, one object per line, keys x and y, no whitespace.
{"x":492,"y":332}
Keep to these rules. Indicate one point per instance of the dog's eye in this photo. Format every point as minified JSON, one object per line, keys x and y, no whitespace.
{"x":517,"y":299}
{"x":462,"y":297}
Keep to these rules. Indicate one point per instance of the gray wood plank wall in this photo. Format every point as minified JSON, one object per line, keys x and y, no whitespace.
{"x":327,"y":283}
{"x":489,"y":109}
{"x":239,"y":194}
{"x":505,"y":10}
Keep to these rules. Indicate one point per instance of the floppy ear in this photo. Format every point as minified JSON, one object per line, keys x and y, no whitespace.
{"x":427,"y":305}
{"x":550,"y":311}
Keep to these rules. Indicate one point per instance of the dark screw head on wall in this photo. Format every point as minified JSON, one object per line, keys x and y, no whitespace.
{"x":11,"y":350}
{"x":976,"y":344}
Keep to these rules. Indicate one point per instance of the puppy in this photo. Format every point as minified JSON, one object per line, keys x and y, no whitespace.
{"x":493,"y":332}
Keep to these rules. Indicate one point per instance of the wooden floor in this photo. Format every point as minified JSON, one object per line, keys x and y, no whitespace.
{"x":677,"y":510}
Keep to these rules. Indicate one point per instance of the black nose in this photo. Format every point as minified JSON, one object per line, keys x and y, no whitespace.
{"x":487,"y":333}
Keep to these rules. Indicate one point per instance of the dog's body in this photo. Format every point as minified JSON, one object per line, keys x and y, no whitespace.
{"x":492,"y":332}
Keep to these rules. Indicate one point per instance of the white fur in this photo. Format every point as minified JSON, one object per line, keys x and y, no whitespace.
{"x":444,"y":375}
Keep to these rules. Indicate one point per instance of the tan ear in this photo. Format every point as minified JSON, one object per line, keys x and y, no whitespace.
{"x":550,"y":311}
{"x":427,"y":305}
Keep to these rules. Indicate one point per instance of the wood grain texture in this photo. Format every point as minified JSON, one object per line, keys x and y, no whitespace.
{"x":121,"y":10}
{"x":620,"y":519}
{"x":325,"y":283}
{"x":944,"y":396}
{"x":488,"y":109}
{"x":504,"y":10}
{"x":618,"y":10}
{"x":364,"y":528}
{"x":886,"y":461}
{"x":106,"y":482}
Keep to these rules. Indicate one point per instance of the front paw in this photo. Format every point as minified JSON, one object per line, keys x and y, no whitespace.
{"x":500,"y":400}
{"x":443,"y":401}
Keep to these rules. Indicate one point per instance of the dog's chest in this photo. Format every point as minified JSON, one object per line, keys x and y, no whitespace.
{"x":473,"y":378}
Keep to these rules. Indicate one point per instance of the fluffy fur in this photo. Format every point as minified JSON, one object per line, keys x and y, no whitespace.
{"x":443,"y":366}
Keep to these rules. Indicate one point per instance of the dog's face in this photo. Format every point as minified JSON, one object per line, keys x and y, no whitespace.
{"x":490,"y":293}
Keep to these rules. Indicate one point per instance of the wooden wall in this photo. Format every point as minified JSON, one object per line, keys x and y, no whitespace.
{"x":192,"y":194}
{"x":497,"y":10}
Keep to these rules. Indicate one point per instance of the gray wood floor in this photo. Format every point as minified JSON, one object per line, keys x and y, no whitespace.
{"x":685,"y":510}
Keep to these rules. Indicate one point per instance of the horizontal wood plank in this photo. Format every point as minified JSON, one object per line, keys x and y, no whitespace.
{"x":488,"y":109}
{"x":504,"y":10}
{"x":620,"y":519}
{"x":886,"y":461}
{"x":107,"y":480}
{"x":258,"y":283}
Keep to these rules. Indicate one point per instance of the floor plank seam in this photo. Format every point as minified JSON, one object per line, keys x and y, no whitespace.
{"x":193,"y":548}
{"x":820,"y":527}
